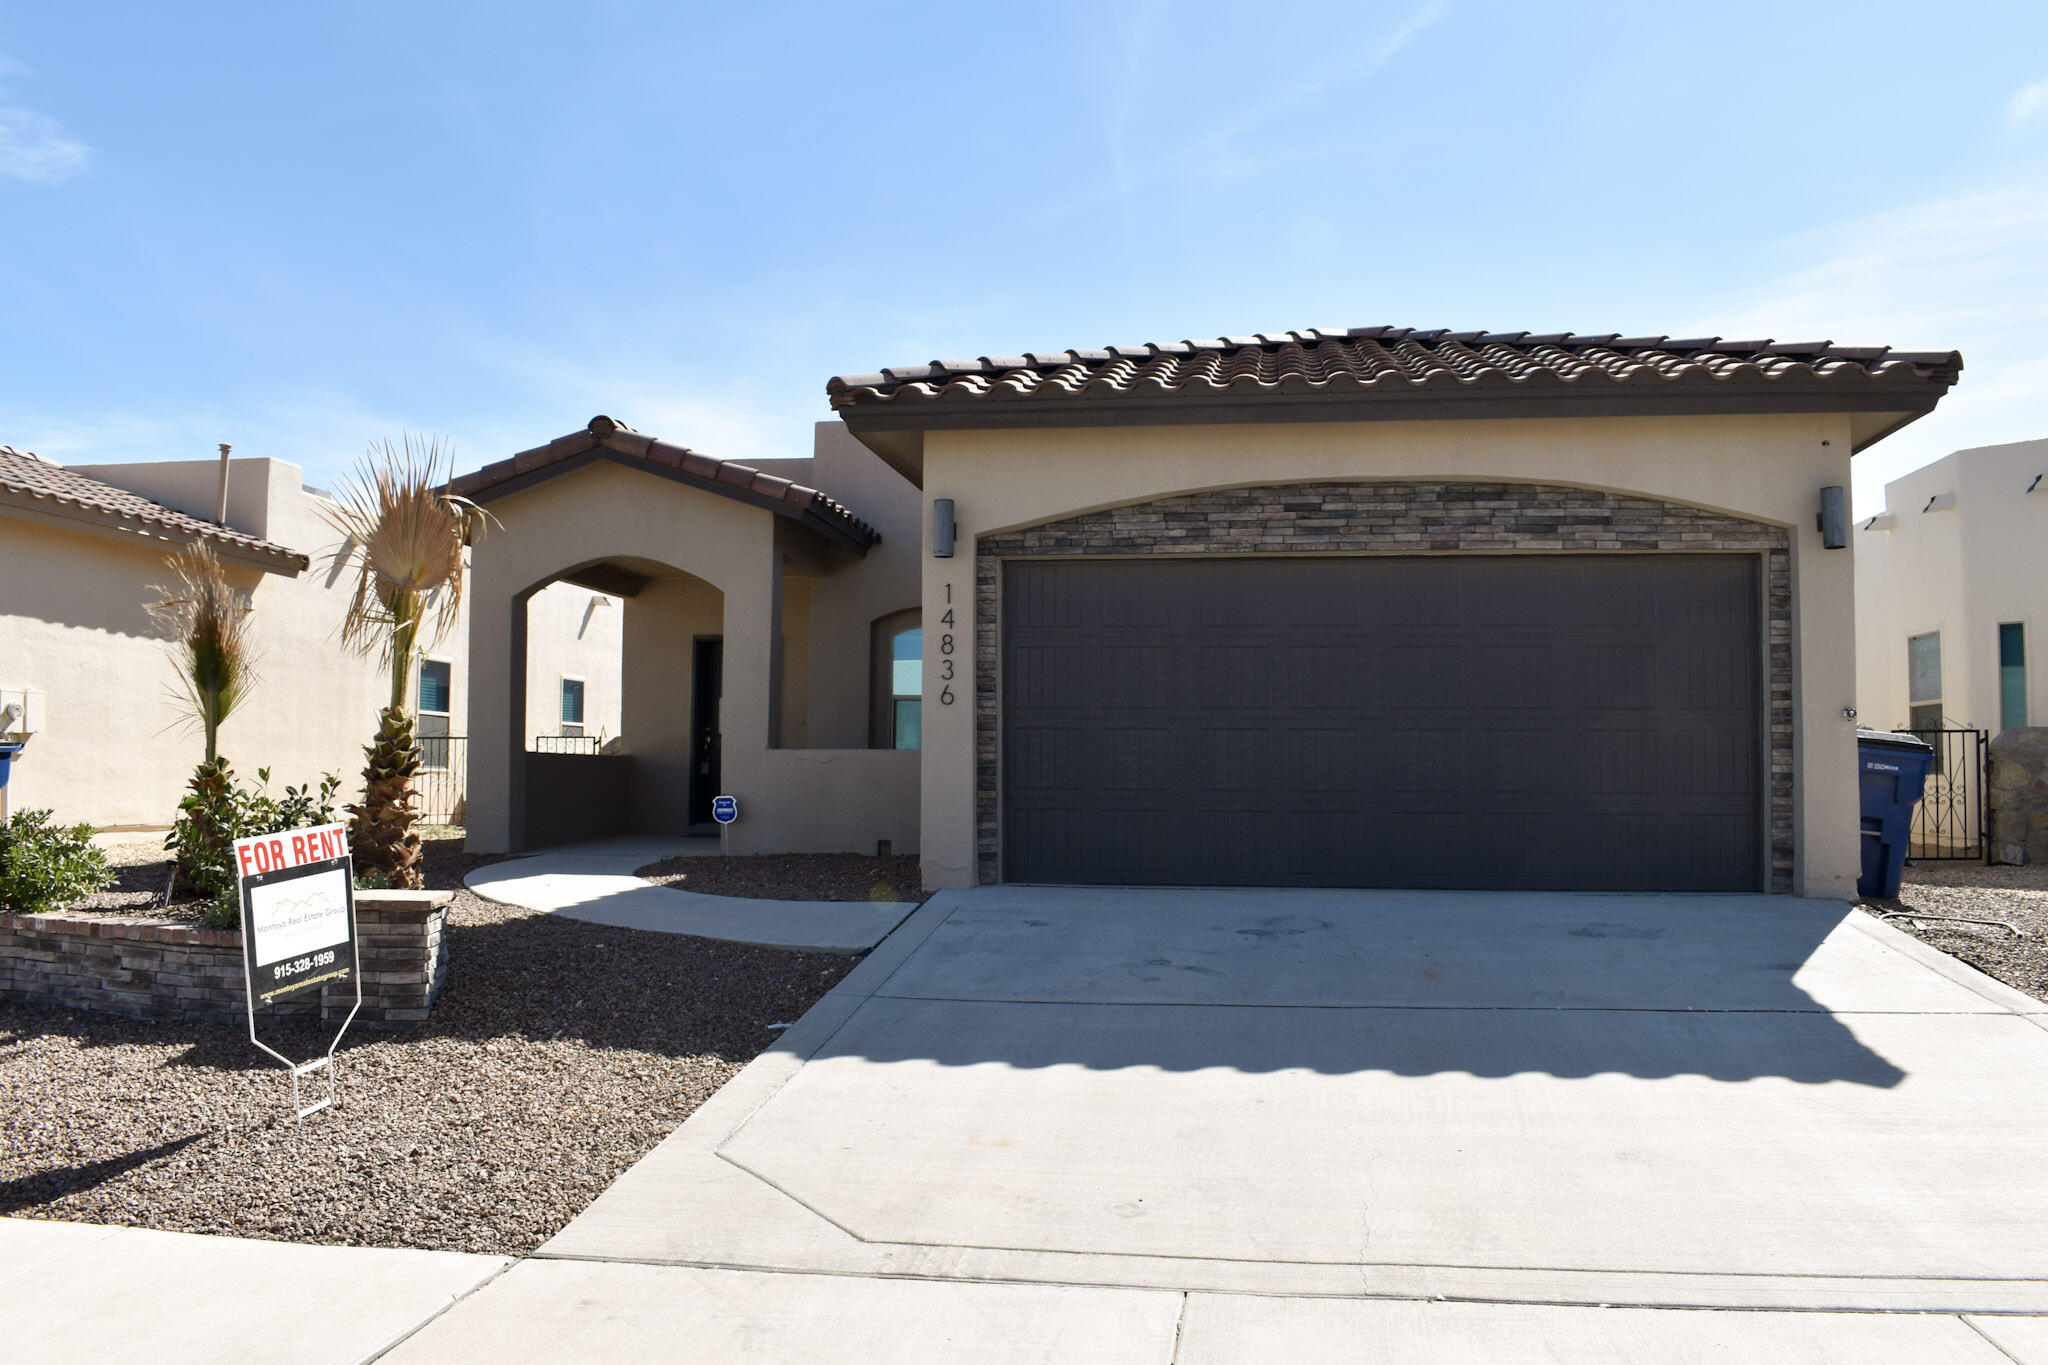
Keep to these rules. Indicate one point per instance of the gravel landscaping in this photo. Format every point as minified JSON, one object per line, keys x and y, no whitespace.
{"x":559,"y":1053}
{"x":2016,"y":895}
{"x":795,"y":876}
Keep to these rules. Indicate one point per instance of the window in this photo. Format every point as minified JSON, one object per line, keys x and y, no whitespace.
{"x":436,"y":696}
{"x":435,"y":684}
{"x":906,"y":688}
{"x":2012,"y":676}
{"x":1923,"y":680}
{"x":898,"y":682}
{"x":572,"y":706}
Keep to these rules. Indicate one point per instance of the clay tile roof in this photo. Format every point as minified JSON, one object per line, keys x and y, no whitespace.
{"x":1361,"y":364}
{"x":607,"y":438}
{"x":32,"y":482}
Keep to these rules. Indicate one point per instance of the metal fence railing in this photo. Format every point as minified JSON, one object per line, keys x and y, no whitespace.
{"x":1952,"y":822}
{"x":442,"y":783}
{"x":567,"y":744}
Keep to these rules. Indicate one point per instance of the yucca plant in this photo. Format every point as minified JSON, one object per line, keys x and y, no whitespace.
{"x":403,"y":538}
{"x":207,"y":622}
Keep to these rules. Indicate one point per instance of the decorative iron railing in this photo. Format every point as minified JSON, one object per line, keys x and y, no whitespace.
{"x":442,"y":783}
{"x":567,"y":744}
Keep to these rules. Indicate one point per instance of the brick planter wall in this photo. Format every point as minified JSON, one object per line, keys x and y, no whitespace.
{"x":149,"y":969}
{"x":1388,"y":517}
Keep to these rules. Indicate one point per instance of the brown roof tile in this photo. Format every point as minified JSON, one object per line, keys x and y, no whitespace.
{"x":616,"y":439}
{"x":31,"y":481}
{"x":1391,"y":360}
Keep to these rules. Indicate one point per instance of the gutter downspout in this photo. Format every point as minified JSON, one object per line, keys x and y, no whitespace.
{"x":221,"y":516}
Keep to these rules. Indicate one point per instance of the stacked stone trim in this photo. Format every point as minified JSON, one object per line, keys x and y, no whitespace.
{"x":148,"y":969}
{"x":2019,"y":796}
{"x":1389,"y":517}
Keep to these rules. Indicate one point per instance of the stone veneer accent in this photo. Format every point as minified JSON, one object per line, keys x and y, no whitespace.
{"x":2019,"y":796}
{"x":1386,"y":517}
{"x":150,"y":969}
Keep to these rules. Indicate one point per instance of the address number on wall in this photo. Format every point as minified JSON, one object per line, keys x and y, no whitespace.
{"x":946,"y":652}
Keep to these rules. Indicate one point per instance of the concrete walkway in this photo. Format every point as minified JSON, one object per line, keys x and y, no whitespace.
{"x":72,"y":1292}
{"x":595,"y":881}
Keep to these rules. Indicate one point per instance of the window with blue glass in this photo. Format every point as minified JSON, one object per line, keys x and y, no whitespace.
{"x":906,"y":688}
{"x":436,"y":686}
{"x":572,"y":703}
{"x":2012,"y":676}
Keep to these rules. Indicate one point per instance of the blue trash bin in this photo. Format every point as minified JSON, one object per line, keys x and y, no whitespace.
{"x":1892,"y":774}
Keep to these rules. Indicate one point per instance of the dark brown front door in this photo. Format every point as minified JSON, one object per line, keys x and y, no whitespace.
{"x":1518,"y":722}
{"x":707,"y":687}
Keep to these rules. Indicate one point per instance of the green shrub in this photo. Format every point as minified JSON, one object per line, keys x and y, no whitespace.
{"x":217,"y":812}
{"x":46,"y":867}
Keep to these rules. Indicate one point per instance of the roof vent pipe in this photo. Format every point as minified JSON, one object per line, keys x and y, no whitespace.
{"x":221,"y":516}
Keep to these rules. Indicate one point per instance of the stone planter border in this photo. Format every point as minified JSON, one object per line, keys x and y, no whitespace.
{"x":149,"y":969}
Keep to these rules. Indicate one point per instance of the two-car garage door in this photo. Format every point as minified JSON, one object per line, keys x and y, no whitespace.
{"x":1525,"y":722}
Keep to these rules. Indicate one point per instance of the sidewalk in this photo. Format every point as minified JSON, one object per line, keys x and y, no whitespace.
{"x":595,"y":881}
{"x":71,"y":1292}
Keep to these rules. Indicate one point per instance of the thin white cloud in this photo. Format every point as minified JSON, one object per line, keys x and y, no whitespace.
{"x":2028,"y":103}
{"x":38,"y":149}
{"x":1965,"y":273}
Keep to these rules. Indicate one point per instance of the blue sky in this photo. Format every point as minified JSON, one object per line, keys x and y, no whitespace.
{"x":300,"y":227}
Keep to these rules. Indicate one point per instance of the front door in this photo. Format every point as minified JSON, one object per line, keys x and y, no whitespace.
{"x":707,"y":675}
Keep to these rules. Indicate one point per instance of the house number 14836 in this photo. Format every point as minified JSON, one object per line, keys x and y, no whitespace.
{"x":946,"y":652}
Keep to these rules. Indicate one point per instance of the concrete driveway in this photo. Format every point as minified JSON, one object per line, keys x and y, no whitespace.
{"x":1661,"y":1101}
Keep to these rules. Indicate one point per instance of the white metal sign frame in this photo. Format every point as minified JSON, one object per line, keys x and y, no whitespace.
{"x":269,"y":861}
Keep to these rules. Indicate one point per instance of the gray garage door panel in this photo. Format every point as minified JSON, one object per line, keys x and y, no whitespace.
{"x":1554,"y":722}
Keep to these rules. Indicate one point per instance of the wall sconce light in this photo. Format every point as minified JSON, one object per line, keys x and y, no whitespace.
{"x":942,"y":528}
{"x":1833,"y":520}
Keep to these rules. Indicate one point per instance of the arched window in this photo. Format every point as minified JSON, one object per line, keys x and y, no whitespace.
{"x":898,"y":685}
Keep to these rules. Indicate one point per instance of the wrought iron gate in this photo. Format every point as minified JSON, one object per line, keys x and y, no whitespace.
{"x":443,"y":779}
{"x":1953,"y":821}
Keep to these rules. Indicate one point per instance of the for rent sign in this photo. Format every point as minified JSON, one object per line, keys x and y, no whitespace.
{"x":298,"y":911}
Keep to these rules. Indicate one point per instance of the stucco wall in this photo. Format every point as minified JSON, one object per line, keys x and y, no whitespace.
{"x":845,"y":603}
{"x":576,"y":633}
{"x":1960,"y":569}
{"x":662,"y":624}
{"x":1766,"y":469}
{"x":72,"y":624}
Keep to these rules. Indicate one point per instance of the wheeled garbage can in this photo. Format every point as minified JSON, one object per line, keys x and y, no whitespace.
{"x":1892,"y":774}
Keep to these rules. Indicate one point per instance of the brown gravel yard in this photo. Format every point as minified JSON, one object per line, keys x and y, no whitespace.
{"x":558,"y":1054}
{"x":795,"y":876}
{"x":2016,"y":895}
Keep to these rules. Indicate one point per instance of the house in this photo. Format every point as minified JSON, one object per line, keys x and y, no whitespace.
{"x":1377,"y":607}
{"x":81,"y":550}
{"x":1951,"y":583}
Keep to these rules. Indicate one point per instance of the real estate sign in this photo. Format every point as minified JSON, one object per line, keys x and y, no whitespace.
{"x":298,"y":911}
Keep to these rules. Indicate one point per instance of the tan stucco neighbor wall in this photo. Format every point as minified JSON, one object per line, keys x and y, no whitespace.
{"x":573,"y":632}
{"x":1760,"y":469}
{"x":1961,"y":548}
{"x":72,"y":625}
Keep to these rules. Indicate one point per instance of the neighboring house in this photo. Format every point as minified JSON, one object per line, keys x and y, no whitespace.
{"x":575,"y":640}
{"x":1952,"y":594}
{"x":1381,"y":607}
{"x":81,"y":550}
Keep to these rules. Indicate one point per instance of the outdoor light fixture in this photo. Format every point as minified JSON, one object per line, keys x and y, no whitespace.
{"x":942,"y":528}
{"x":1833,"y":520}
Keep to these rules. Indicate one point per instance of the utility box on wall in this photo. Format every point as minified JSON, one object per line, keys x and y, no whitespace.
{"x":21,"y":712}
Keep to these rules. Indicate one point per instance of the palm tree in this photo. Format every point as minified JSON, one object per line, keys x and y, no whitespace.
{"x":208,"y":625}
{"x":403,"y":537}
